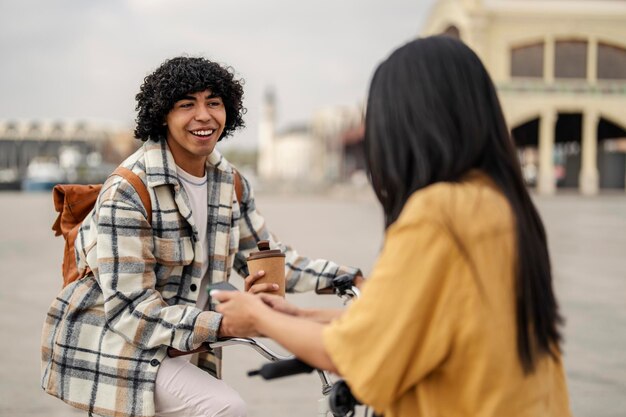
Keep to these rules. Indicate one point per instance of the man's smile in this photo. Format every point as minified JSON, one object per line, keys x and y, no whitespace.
{"x":205,"y":133}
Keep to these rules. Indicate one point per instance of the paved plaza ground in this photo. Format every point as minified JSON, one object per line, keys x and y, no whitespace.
{"x":587,"y":240}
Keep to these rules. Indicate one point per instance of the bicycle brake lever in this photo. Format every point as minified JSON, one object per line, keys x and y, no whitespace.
{"x":342,"y":284}
{"x":280,"y":369}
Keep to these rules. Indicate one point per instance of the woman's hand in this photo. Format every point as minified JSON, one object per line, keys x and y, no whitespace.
{"x":250,"y":286}
{"x":246,"y":315}
{"x":239,"y":312}
{"x":278,"y":303}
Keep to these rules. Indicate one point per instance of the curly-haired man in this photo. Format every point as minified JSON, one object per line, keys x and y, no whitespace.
{"x":107,"y":335}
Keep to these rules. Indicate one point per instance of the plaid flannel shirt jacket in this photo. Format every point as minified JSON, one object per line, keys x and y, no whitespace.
{"x":106,"y":334}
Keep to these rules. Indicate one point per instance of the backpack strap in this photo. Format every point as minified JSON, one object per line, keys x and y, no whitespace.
{"x":238,"y":185}
{"x":139,"y":186}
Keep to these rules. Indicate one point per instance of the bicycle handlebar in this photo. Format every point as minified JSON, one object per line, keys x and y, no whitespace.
{"x":342,"y":286}
{"x":341,"y":401}
{"x":263,"y":350}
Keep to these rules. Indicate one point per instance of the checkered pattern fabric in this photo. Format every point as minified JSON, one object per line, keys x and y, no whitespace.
{"x":105,"y":335}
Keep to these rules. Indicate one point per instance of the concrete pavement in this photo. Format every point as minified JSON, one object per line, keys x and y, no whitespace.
{"x":587,"y":239}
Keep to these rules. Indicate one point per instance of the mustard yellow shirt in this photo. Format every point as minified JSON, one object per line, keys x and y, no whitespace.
{"x":434,"y":333}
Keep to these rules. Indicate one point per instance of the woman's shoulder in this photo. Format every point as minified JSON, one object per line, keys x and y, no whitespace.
{"x":474,"y":204}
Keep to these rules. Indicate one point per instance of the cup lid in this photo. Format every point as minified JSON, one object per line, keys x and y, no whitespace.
{"x":265,"y":251}
{"x":276,"y":253}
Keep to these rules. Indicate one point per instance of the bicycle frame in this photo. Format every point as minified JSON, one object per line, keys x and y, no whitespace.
{"x":267,"y":353}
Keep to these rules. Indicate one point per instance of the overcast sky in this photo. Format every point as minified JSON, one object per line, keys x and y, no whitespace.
{"x":85,"y":59}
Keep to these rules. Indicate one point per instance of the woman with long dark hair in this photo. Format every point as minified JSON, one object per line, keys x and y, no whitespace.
{"x":459,"y":317}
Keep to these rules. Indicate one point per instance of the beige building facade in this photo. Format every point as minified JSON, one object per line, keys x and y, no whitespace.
{"x":560,"y":70}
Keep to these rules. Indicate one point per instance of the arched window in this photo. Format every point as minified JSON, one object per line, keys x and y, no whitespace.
{"x":570,"y":59}
{"x":34,"y":127}
{"x":611,"y":62}
{"x":57,"y":129}
{"x":12,"y":127}
{"x":452,"y":31}
{"x":527,"y":61}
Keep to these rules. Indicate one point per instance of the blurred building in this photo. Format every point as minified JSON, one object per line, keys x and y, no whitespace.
{"x":313,"y":153}
{"x":560,"y":70}
{"x":53,"y":151}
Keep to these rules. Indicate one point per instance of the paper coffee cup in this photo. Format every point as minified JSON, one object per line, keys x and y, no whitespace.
{"x":272,"y":261}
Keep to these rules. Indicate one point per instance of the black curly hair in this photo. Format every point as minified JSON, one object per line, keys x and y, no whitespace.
{"x":178,"y":77}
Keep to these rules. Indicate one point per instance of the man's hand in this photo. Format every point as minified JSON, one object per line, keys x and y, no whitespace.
{"x":358,"y":281}
{"x":253,"y":288}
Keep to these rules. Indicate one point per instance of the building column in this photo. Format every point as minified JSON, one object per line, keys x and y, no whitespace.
{"x":589,"y":177}
{"x":592,"y":60}
{"x":267,"y":154}
{"x":477,"y":36}
{"x":546,"y":183}
{"x":548,"y":60}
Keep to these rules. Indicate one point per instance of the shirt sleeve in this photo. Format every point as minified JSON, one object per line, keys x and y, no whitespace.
{"x":403,"y":325}
{"x":124,"y":268}
{"x":301,"y":273}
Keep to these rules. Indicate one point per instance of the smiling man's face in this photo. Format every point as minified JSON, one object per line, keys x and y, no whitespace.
{"x":194,"y":125}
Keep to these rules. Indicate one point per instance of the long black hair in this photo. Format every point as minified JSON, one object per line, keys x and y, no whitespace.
{"x":433,"y":115}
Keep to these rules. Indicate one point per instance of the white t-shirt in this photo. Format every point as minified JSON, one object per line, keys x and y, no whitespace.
{"x":196,"y":189}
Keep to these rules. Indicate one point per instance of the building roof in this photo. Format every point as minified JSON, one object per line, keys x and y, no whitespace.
{"x":298,"y":128}
{"x":54,"y":129}
{"x":538,"y":7}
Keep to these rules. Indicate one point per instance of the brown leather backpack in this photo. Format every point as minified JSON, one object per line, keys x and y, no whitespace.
{"x":73,"y":202}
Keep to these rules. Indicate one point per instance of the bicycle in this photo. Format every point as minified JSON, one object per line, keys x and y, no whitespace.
{"x":336,"y":396}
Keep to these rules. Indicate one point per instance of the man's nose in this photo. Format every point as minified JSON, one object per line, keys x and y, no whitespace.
{"x":202,"y":114}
